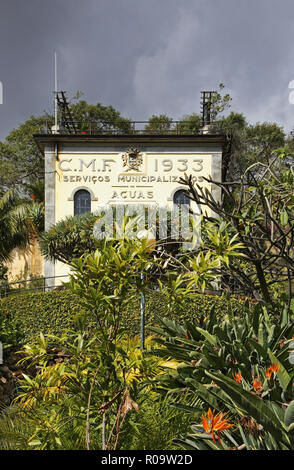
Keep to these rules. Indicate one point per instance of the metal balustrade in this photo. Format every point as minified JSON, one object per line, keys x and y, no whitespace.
{"x":27,"y":285}
{"x":127,"y":128}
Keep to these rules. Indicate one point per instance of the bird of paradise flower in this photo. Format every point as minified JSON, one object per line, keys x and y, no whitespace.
{"x":237,"y":376}
{"x":215,"y":424}
{"x":257,"y":385}
{"x":272,"y":370}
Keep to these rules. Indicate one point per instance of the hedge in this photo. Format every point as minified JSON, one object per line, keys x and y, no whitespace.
{"x":53,"y":312}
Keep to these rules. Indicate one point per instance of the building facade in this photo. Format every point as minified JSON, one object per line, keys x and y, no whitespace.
{"x":86,"y":172}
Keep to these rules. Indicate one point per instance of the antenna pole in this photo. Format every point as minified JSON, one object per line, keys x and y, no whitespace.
{"x":55,"y":93}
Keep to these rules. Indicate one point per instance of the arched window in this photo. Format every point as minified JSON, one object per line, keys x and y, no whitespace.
{"x":82,"y":202}
{"x":180,"y":197}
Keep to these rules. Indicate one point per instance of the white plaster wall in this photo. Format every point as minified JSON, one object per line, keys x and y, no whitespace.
{"x":100,"y":169}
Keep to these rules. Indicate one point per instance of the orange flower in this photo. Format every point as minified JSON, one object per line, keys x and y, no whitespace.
{"x":215,"y":423}
{"x":273,"y":369}
{"x":257,"y":384}
{"x":237,"y":377}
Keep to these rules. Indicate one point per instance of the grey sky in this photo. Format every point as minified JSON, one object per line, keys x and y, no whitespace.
{"x":147,"y":56}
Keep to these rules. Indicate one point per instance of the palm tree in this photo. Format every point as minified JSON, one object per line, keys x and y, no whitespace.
{"x":36,"y":209}
{"x":36,"y":190}
{"x":19,"y":220}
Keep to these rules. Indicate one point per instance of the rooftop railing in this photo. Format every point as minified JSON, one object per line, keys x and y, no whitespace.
{"x":126,"y":128}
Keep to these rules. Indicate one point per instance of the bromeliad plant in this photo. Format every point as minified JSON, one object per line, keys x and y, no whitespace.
{"x":254,"y":423}
{"x":236,"y":364}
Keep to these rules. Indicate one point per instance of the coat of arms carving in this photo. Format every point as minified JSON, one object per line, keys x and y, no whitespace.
{"x":132,"y":159}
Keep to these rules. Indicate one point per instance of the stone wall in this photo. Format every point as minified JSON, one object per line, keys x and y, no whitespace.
{"x":26,"y":263}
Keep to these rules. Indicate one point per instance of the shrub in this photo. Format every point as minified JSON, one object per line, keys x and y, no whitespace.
{"x":54,"y":312}
{"x":10,"y":331}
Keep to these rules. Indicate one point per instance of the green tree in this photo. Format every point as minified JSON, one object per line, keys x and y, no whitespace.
{"x":22,"y":162}
{"x":92,"y":392}
{"x":36,"y":190}
{"x":20,"y":220}
{"x":189,"y":124}
{"x":158,"y":124}
{"x":248,"y":143}
{"x":263,"y":139}
{"x":163,"y":124}
{"x":13,"y":224}
{"x":102,"y":118}
{"x":233,"y":127}
{"x":259,"y":212}
{"x":245,"y":143}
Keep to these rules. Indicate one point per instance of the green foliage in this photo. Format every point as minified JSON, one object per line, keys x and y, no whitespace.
{"x":259,"y":425}
{"x":3,"y":274}
{"x":35,"y":215}
{"x":92,"y":388}
{"x":70,"y":238}
{"x":247,"y":144}
{"x":36,"y":190}
{"x":47,"y":312}
{"x":263,"y":140}
{"x":13,"y":227}
{"x":163,"y":124}
{"x":158,"y":124}
{"x":73,"y":236}
{"x":21,"y":161}
{"x":102,"y":118}
{"x":189,"y":124}
{"x":259,"y":212}
{"x":109,"y":278}
{"x":21,"y":219}
{"x":240,"y":365}
{"x":54,"y":312}
{"x":11,"y":335}
{"x":14,"y":429}
{"x":27,"y":425}
{"x":156,"y":425}
{"x":220,"y":102}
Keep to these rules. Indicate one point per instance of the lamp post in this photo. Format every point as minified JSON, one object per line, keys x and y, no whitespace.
{"x":150,"y":243}
{"x":142,"y":311}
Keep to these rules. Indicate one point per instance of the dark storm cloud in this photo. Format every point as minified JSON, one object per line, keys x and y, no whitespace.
{"x":147,"y":56}
{"x":247,"y":45}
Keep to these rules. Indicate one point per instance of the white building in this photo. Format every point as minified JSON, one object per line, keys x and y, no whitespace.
{"x":84,"y":171}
